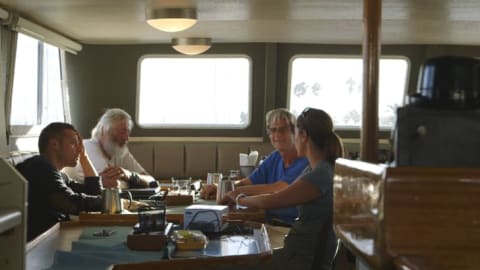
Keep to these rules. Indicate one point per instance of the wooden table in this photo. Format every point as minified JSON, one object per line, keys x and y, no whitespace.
{"x":174,"y":214}
{"x":41,"y":251}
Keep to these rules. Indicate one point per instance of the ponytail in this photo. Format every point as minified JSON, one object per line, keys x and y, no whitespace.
{"x":333,"y":147}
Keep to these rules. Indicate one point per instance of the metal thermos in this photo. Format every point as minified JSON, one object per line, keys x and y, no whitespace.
{"x":111,"y":200}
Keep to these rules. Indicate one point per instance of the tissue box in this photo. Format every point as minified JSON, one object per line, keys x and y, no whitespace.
{"x":206,"y":218}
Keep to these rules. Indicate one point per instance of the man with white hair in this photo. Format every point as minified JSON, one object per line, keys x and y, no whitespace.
{"x":109,"y":153}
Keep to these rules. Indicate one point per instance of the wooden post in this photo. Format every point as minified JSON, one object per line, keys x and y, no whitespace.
{"x":372,"y":14}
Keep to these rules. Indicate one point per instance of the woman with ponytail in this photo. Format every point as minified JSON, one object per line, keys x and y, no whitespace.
{"x":311,"y":242}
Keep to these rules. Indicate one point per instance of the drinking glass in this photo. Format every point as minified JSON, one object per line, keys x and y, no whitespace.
{"x":181,"y":186}
{"x":234,"y":175}
{"x":224,"y":187}
{"x":214,"y":178}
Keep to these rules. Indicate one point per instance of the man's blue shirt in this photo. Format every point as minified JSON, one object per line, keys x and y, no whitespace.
{"x":271,"y":171}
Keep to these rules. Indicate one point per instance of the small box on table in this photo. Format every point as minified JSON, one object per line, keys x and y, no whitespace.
{"x":206,"y":218}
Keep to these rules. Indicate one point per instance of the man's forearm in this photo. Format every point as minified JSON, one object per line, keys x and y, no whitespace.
{"x":147,"y":179}
{"x":87,"y":166}
{"x":243,"y":182}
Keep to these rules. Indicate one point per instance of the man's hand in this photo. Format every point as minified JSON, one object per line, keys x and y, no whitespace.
{"x":208,"y":192}
{"x":81,"y":148}
{"x":110,"y":176}
{"x":116,"y":172}
{"x":229,"y":198}
{"x":84,"y":161}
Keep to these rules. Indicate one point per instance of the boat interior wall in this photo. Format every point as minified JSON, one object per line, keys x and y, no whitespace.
{"x":99,"y":79}
{"x":97,"y":74}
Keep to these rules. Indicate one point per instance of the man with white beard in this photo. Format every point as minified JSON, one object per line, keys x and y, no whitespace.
{"x":109,"y":153}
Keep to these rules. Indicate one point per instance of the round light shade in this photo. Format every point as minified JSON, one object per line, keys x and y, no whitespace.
{"x":172,"y":19}
{"x":191,"y":46}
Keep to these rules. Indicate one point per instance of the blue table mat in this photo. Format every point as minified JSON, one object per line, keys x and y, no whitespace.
{"x":99,"y":252}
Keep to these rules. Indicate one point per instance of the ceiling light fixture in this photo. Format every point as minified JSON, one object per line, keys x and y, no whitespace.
{"x":191,"y":46}
{"x":172,"y":19}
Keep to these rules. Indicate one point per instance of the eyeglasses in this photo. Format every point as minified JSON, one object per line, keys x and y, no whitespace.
{"x":279,"y":130}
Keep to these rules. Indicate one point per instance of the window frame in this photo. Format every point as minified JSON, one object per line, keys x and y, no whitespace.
{"x":32,"y":131}
{"x":195,"y":126}
{"x":344,"y":56}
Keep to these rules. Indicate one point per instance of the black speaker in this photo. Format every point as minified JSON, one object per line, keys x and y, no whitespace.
{"x":437,"y":138}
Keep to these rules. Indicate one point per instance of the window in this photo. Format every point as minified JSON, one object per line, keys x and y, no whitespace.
{"x":37,"y":95}
{"x":199,"y":92}
{"x":335,"y":85}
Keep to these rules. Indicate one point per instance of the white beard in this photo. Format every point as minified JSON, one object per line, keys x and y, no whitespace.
{"x":114,"y":150}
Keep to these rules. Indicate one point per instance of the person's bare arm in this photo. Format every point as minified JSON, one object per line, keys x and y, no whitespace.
{"x":297,"y":193}
{"x":243,"y":182}
{"x":252,"y":190}
{"x":142,"y":179}
{"x":261,"y":189}
{"x":145,"y":179}
{"x":110,"y":176}
{"x":209,"y":192}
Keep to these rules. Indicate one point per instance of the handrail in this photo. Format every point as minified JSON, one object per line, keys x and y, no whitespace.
{"x":9,"y":218}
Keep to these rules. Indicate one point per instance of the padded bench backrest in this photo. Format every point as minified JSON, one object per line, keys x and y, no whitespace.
{"x":228,"y":156}
{"x":143,"y":153}
{"x":164,"y":160}
{"x":16,"y":157}
{"x":168,"y":160}
{"x":200,"y":158}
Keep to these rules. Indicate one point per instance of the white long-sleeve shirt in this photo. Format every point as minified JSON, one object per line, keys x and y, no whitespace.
{"x":101,"y":162}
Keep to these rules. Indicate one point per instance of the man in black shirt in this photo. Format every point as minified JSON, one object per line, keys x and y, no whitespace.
{"x":52,"y":195}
